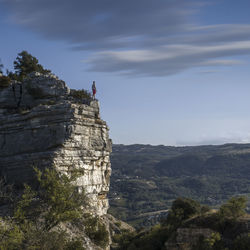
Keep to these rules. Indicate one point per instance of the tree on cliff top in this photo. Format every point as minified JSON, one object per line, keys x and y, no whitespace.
{"x":1,"y":68}
{"x":4,"y":80}
{"x":25,"y":63}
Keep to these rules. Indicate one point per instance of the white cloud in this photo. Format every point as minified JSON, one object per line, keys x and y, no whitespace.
{"x":142,"y":37}
{"x":167,"y":60}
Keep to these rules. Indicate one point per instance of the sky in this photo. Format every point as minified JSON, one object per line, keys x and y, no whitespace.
{"x":171,"y":72}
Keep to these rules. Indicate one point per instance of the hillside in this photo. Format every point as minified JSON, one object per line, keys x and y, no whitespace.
{"x":148,"y":178}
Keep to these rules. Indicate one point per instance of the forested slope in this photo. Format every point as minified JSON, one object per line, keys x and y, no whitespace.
{"x":148,"y":178}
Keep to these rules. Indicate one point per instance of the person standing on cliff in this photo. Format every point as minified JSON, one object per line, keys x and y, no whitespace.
{"x":93,"y":90}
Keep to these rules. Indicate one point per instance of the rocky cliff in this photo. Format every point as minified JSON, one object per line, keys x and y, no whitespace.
{"x":43,"y":124}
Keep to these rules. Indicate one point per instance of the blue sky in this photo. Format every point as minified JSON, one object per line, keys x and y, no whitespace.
{"x":167,"y":72}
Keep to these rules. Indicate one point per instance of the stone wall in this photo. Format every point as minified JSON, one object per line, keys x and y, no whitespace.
{"x":42,"y":125}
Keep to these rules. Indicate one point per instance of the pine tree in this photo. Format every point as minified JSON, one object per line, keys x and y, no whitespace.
{"x":25,"y":63}
{"x":1,"y":68}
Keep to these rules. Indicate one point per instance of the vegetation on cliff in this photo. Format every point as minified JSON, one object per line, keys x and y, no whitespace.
{"x":80,"y":94}
{"x":24,"y":64}
{"x":41,"y":217}
{"x":193,"y":226}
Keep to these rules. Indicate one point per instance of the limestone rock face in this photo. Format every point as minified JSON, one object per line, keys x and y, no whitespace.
{"x":42,"y":125}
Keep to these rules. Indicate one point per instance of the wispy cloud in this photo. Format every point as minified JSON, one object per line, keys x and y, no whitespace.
{"x":167,"y":60}
{"x":142,"y":37}
{"x":219,"y":138}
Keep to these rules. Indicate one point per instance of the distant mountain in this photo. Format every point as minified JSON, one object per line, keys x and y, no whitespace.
{"x":148,"y":178}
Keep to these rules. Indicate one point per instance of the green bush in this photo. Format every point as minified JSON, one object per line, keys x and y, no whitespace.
{"x":214,"y":242}
{"x":6,"y":192}
{"x":38,"y":212}
{"x":80,"y":94}
{"x":182,"y":209}
{"x":234,"y":208}
{"x":61,"y":199}
{"x":11,"y":236}
{"x":152,"y":239}
{"x":118,"y":224}
{"x":1,"y":68}
{"x":242,"y":242}
{"x":74,"y":245}
{"x":96,"y":230}
{"x":4,"y":81}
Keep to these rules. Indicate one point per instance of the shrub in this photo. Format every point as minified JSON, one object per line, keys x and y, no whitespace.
{"x":214,"y":242}
{"x":242,"y":242}
{"x":204,"y":209}
{"x":80,"y":94}
{"x":61,"y":199}
{"x":234,"y":208}
{"x":39,"y":211}
{"x":11,"y":236}
{"x":190,"y":207}
{"x":147,"y":240}
{"x":4,"y":81}
{"x":74,"y":245}
{"x":1,"y":68}
{"x":118,"y":223}
{"x":182,"y":209}
{"x":96,"y":230}
{"x":6,"y":192}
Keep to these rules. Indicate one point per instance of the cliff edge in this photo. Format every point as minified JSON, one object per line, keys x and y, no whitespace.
{"x":44,"y":124}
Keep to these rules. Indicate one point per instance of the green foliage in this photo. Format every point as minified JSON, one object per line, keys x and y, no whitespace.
{"x":6,"y":192}
{"x":242,"y":242}
{"x":4,"y":81}
{"x":96,"y":231}
{"x":57,"y":200}
{"x":214,"y":242}
{"x":182,"y":209}
{"x":204,"y":209}
{"x":35,"y":238}
{"x":25,"y":63}
{"x":189,"y":207}
{"x":17,"y":237}
{"x":38,"y":212}
{"x":23,"y":211}
{"x":118,"y":224}
{"x":1,"y":68}
{"x":124,"y":239}
{"x":148,"y":178}
{"x":62,"y":200}
{"x":74,"y":245}
{"x":11,"y":236}
{"x":152,"y":239}
{"x":187,"y":213}
{"x":13,"y":76}
{"x":80,"y":94}
{"x":234,"y":208}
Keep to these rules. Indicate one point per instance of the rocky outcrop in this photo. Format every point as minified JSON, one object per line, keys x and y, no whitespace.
{"x":42,"y":125}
